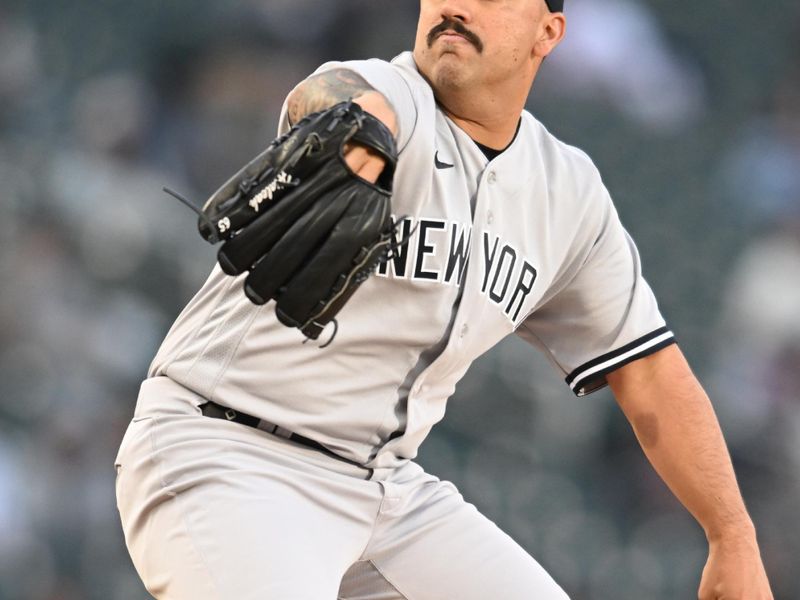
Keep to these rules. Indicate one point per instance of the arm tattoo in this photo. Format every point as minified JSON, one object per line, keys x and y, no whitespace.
{"x":324,"y":90}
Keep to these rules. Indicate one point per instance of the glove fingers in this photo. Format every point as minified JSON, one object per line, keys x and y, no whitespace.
{"x":331,"y":267}
{"x":289,"y":253}
{"x":238,"y":254}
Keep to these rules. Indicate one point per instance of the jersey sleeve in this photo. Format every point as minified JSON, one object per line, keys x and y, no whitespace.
{"x":386,"y":79}
{"x":605,"y":316}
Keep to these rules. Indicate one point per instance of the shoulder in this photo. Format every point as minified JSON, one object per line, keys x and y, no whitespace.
{"x":370,"y":65}
{"x":572,"y":182}
{"x":560,"y":161}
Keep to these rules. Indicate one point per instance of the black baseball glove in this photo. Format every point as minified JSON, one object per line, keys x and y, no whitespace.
{"x":307,"y":228}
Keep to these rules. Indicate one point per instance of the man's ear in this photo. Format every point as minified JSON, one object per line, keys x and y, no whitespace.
{"x":552,"y":30}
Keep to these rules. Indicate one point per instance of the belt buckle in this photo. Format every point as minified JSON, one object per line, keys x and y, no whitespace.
{"x":230,"y":414}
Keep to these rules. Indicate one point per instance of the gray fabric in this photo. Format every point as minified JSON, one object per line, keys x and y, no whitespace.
{"x":364,"y":582}
{"x":214,"y":510}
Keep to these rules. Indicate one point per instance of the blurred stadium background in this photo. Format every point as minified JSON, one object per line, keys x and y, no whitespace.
{"x":690,"y":109}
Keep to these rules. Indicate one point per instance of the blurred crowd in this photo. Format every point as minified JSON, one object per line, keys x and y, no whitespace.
{"x":697,"y":136}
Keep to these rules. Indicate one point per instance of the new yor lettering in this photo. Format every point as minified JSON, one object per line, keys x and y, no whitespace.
{"x":439,"y":251}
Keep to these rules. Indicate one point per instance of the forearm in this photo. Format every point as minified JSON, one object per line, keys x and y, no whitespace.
{"x":675,"y":424}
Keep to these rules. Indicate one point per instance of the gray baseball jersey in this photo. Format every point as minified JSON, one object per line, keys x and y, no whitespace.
{"x":527,"y":243}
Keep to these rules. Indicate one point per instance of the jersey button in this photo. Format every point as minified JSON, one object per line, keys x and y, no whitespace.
{"x":464,"y":330}
{"x":490,"y":217}
{"x":492,"y":177}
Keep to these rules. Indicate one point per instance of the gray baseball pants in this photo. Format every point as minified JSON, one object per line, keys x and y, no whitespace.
{"x":217,"y":510}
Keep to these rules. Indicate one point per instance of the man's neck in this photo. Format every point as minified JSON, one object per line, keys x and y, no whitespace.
{"x":490,"y":119}
{"x":489,"y":111}
{"x":495,"y":131}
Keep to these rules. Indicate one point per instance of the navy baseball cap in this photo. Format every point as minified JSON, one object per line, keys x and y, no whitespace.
{"x":555,"y":5}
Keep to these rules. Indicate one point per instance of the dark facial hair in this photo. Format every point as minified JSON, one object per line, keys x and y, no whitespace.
{"x":457,"y":27}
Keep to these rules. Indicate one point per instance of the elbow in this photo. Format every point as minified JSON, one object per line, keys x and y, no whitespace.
{"x":297,"y":103}
{"x":327,"y":89}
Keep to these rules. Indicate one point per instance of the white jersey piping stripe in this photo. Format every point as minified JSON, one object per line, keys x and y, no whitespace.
{"x":644,"y":346}
{"x":580,"y":385}
{"x":616,"y":353}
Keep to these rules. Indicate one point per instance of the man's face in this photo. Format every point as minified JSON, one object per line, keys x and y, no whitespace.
{"x":462,"y":43}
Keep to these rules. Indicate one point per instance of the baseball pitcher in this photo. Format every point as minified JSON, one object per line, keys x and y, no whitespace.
{"x":410,"y":215}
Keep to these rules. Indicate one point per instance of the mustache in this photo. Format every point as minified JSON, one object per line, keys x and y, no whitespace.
{"x":457,"y":27}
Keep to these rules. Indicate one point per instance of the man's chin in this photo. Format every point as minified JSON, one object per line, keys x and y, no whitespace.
{"x":444,"y":68}
{"x":449,"y":72}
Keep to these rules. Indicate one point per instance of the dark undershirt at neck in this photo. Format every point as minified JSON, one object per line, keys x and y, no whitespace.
{"x":489,"y":153}
{"x":492,"y":153}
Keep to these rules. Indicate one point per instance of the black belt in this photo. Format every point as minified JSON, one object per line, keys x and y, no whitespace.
{"x":217,"y":411}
